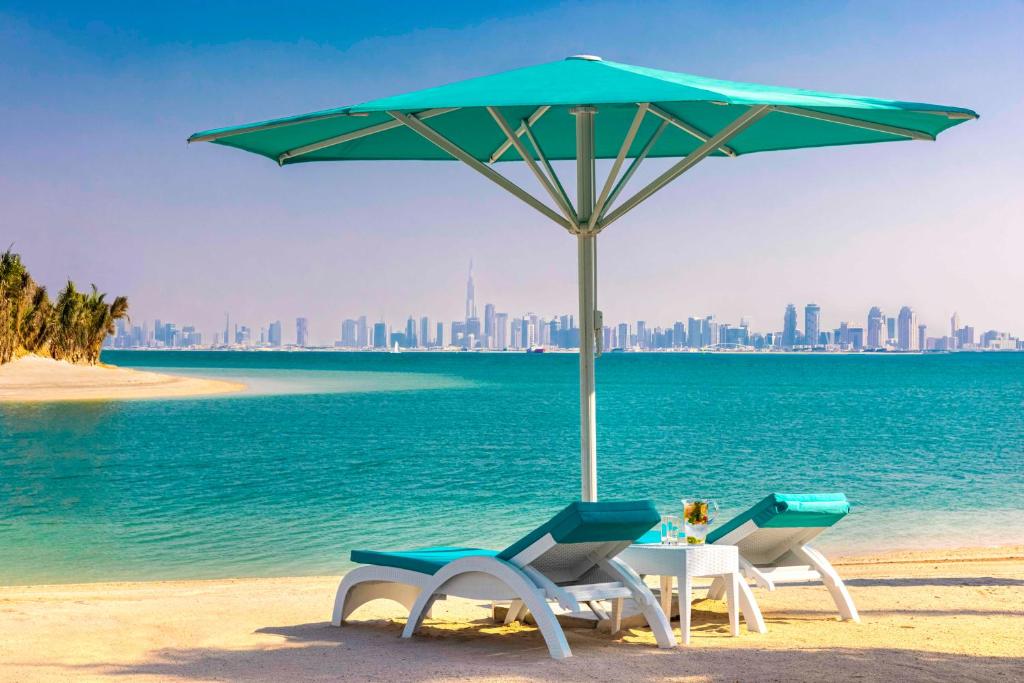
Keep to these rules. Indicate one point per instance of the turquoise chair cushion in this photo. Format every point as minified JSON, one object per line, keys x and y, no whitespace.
{"x":787,"y":510}
{"x":581,"y":522}
{"x":578,"y":523}
{"x":422,"y":560}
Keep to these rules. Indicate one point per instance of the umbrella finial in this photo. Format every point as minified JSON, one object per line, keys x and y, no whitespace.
{"x":587,"y":58}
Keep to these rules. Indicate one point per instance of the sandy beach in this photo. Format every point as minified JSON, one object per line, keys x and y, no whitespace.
{"x":927,"y":616}
{"x":34,"y":379}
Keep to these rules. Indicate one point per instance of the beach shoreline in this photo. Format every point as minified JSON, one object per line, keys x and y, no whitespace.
{"x":32,"y":379}
{"x":926,"y":615}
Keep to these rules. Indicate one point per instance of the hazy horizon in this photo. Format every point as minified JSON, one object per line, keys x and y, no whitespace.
{"x":99,"y":185}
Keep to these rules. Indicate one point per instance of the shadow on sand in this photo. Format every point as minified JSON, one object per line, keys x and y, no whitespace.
{"x":372,"y":650}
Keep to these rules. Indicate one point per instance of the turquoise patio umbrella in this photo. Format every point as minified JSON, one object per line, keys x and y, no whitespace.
{"x":585,"y":108}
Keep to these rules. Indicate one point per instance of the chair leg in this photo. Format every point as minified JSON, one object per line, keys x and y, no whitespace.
{"x":656,"y":617}
{"x":717,"y":590}
{"x":419,"y":610}
{"x":514,"y":609}
{"x":354,"y":593}
{"x":617,"y":615}
{"x":751,"y":610}
{"x":665,"y":586}
{"x":732,"y":590}
{"x":547,"y":624}
{"x":830,"y":577}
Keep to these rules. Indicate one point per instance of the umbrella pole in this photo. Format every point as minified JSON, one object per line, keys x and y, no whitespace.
{"x":587,"y":255}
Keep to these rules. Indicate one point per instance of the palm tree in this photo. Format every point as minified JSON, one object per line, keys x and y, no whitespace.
{"x":15,"y":293}
{"x":35,"y":324}
{"x":100,"y":321}
{"x":67,"y":313}
{"x":72,"y":328}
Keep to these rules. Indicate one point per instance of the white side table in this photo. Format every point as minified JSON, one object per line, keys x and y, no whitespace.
{"x":685,"y":562}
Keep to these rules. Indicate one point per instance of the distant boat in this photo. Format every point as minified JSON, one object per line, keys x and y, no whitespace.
{"x":539,"y":349}
{"x":395,"y":349}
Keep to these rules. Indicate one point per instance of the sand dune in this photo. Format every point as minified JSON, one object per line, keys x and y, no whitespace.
{"x":930,"y":616}
{"x":34,"y":379}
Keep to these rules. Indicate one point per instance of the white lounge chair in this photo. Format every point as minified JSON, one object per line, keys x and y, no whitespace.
{"x":570,"y":560}
{"x":773,"y":539}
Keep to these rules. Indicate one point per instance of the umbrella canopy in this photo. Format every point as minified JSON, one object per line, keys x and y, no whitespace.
{"x":584,"y":108}
{"x":697,"y":103}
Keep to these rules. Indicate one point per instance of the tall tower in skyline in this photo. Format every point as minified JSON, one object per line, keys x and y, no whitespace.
{"x":876,"y":322}
{"x":470,"y":294}
{"x":812,"y":324}
{"x":789,"y":327}
{"x":954,"y":325}
{"x":906,"y":329}
{"x":301,"y":332}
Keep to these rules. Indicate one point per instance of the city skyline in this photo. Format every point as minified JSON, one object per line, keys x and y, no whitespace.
{"x":501,"y":330}
{"x":188,"y":232}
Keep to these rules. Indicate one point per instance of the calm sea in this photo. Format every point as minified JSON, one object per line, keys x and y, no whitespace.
{"x":331,"y":451}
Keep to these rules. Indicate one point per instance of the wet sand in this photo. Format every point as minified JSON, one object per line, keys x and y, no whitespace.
{"x":32,"y":379}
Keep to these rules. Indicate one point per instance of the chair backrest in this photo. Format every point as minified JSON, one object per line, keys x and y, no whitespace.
{"x":769,"y":529}
{"x":572,"y":543}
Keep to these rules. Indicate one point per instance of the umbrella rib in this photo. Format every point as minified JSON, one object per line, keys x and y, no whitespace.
{"x":632,"y":169}
{"x":547,"y":165}
{"x":627,"y":142}
{"x":687,"y":128}
{"x":462,"y":155}
{"x":856,"y":123}
{"x":741,"y":123}
{"x":528,"y":158}
{"x":355,"y":135}
{"x":533,"y":118}
{"x":269,"y":125}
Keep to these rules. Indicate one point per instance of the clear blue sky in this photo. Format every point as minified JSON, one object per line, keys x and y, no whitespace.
{"x":97,"y":184}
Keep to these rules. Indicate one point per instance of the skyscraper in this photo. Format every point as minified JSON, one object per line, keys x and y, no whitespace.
{"x":922,"y":337}
{"x":876,"y":322}
{"x":473,"y":330}
{"x":906,"y":332}
{"x":844,"y":335}
{"x":227,"y":328}
{"x":362,"y":333}
{"x":500,"y":331}
{"x":489,"y":320}
{"x":439,"y":339}
{"x":641,"y":334}
{"x":348,"y":333}
{"x":954,"y":325}
{"x":301,"y":332}
{"x":622,"y":339}
{"x":380,"y":335}
{"x":812,"y":324}
{"x":410,"y":333}
{"x":710,"y":334}
{"x":694,"y":333}
{"x":890,"y":330}
{"x":470,"y":295}
{"x":274,"y":334}
{"x":424,"y":338}
{"x":678,"y":335}
{"x":789,"y":327}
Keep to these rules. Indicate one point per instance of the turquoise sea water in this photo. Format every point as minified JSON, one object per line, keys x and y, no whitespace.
{"x":331,"y":451}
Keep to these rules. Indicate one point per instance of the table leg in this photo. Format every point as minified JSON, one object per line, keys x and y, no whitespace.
{"x":666,"y":596}
{"x":731,"y":589}
{"x":685,"y":595}
{"x":751,"y":610}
